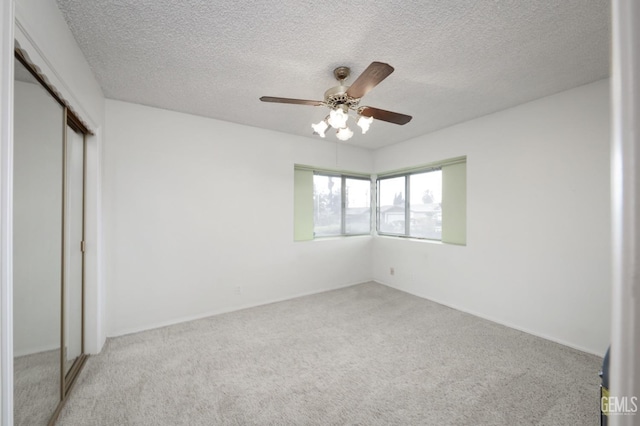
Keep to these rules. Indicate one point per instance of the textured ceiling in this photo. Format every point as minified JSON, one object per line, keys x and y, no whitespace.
{"x":454,"y":59}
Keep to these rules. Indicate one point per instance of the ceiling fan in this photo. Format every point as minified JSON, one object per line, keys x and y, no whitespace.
{"x":342,"y":99}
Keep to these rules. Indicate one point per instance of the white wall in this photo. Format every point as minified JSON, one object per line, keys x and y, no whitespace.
{"x":200,"y":218}
{"x":538,"y":243}
{"x":41,"y":32}
{"x":537,"y":257}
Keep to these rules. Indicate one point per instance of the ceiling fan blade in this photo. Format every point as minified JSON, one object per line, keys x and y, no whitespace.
{"x":370,"y":78}
{"x":381,"y":114}
{"x":290,"y":101}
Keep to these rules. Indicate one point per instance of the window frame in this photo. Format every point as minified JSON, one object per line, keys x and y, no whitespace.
{"x":344,"y":203}
{"x":407,"y":200}
{"x":304,"y":214}
{"x":453,"y":205}
{"x":343,"y":198}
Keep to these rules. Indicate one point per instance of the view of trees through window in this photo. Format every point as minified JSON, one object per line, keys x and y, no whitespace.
{"x":424,"y":218}
{"x":342,"y":205}
{"x":408,"y":205}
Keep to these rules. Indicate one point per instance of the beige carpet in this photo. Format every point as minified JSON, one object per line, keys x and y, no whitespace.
{"x":36,"y":387}
{"x":363,"y":355}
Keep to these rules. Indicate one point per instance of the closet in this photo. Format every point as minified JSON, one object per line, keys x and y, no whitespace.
{"x":48,"y":248}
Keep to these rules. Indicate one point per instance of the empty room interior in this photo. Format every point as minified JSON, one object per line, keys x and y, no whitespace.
{"x":293,"y":213}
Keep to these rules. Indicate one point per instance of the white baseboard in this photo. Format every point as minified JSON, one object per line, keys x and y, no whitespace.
{"x":31,"y":351}
{"x":498,"y":321}
{"x":207,"y":314}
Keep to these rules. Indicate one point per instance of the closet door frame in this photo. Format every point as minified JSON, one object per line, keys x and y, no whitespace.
{"x":67,"y":379}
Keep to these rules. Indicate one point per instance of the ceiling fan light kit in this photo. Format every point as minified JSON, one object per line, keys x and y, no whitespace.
{"x":344,"y":134}
{"x":342,"y":99}
{"x":320,"y":128}
{"x":364,"y":123}
{"x":338,"y":117}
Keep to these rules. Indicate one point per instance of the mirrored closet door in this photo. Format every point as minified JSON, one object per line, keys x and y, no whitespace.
{"x":73,"y":245}
{"x":48,"y":249}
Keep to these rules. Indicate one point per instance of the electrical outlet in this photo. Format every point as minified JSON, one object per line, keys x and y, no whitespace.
{"x":238,"y":290}
{"x":392,"y":270}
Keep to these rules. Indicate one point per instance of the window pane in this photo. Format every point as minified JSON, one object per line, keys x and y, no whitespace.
{"x":358,"y":206}
{"x":391,"y":193}
{"x":327,"y":199}
{"x":425,"y":205}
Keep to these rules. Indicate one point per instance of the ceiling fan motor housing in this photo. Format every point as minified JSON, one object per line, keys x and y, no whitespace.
{"x":338,"y":96}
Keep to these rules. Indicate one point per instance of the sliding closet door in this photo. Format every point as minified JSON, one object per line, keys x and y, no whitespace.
{"x":48,"y":252}
{"x":73,"y":243}
{"x":37,"y":250}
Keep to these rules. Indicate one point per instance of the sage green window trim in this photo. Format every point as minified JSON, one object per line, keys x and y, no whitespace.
{"x":454,"y":203}
{"x":332,"y":172}
{"x":302,"y":205}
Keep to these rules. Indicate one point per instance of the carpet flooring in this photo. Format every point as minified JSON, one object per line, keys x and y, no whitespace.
{"x":36,"y":387}
{"x":362,"y":355}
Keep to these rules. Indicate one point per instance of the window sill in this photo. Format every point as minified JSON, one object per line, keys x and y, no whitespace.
{"x":335,"y":237}
{"x":417,"y":240}
{"x":341,"y":237}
